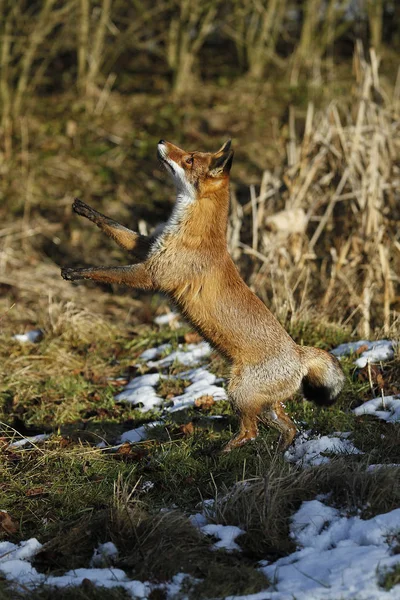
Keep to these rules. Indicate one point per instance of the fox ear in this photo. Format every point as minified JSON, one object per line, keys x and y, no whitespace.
{"x":221,"y":163}
{"x":225,"y":147}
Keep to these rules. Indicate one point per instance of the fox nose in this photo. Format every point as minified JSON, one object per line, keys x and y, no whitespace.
{"x":161,"y":142}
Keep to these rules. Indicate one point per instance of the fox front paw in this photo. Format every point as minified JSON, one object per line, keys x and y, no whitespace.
{"x":81,"y":208}
{"x":70,"y":274}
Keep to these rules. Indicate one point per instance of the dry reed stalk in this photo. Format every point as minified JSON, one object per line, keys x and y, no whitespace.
{"x":83,"y":44}
{"x":97,"y":52}
{"x":182,"y":46}
{"x":254,"y":27}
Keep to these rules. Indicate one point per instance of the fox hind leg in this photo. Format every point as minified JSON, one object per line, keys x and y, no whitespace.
{"x":248,"y":430}
{"x":263,"y":402}
{"x":276,"y":417}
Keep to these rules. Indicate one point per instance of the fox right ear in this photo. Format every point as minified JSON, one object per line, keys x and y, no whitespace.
{"x":221,"y":164}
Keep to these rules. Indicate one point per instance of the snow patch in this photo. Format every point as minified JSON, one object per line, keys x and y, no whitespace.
{"x":386,"y":408}
{"x":104,"y":554}
{"x":186,"y":354}
{"x":33,"y":336}
{"x":376,"y":467}
{"x":16,"y":568}
{"x":140,"y":433}
{"x":374,"y":352}
{"x":337,"y":556}
{"x":34,"y":439}
{"x":309,"y":452}
{"x":198,"y":520}
{"x":226,"y":534}
{"x":153,"y":353}
{"x":170,"y":318}
{"x":141,"y":390}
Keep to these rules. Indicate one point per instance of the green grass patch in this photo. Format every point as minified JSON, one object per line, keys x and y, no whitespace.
{"x":73,"y":496}
{"x":390,"y":578}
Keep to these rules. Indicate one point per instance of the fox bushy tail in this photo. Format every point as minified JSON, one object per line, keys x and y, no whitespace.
{"x":324,"y":379}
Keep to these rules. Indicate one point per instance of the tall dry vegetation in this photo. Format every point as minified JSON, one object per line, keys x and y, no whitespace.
{"x":94,"y":34}
{"x":324,"y":221}
{"x":326,"y":227}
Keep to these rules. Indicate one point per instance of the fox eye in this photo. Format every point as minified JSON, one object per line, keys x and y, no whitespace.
{"x":189,"y":160}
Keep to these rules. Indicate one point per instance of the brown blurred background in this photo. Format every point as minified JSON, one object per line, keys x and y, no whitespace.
{"x":309,"y":92}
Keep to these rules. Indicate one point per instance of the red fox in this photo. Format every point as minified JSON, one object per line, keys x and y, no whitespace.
{"x":189,"y":262}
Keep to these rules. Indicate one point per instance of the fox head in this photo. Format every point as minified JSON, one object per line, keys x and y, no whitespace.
{"x":196,"y":173}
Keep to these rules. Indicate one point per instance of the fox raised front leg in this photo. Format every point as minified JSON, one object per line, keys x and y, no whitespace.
{"x":135,"y":276}
{"x":137,"y":244}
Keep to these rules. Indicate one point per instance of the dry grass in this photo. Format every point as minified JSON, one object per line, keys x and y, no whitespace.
{"x":261,"y":506}
{"x":324,"y":231}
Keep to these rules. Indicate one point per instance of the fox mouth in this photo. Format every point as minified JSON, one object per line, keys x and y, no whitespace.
{"x":165,"y":162}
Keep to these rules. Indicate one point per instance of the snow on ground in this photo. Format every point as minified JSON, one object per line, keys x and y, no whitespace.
{"x":386,"y":408}
{"x":372,"y":351}
{"x":140,"y":433}
{"x":16,"y":567}
{"x":104,"y":554}
{"x":171,"y":319}
{"x":33,"y":336}
{"x":310,"y":452}
{"x":337,"y":557}
{"x":31,"y":440}
{"x":226,"y":534}
{"x":376,"y":467}
{"x":141,"y":391}
{"x":186,"y":354}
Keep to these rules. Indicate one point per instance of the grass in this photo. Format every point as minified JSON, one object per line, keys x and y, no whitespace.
{"x":72,"y":495}
{"x":390,"y":578}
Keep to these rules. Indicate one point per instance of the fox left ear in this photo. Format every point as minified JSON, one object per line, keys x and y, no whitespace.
{"x":221,"y":163}
{"x":225,"y":147}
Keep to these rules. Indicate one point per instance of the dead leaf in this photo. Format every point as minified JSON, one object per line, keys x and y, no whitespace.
{"x":204,"y":402}
{"x":124,"y":448}
{"x":64,"y":442}
{"x":129,"y":453}
{"x":187,"y":428}
{"x":7,"y":524}
{"x":37,"y":491}
{"x":361,"y":349}
{"x":372,"y":373}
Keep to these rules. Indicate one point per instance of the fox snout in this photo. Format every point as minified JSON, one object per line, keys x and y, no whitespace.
{"x":171,"y":154}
